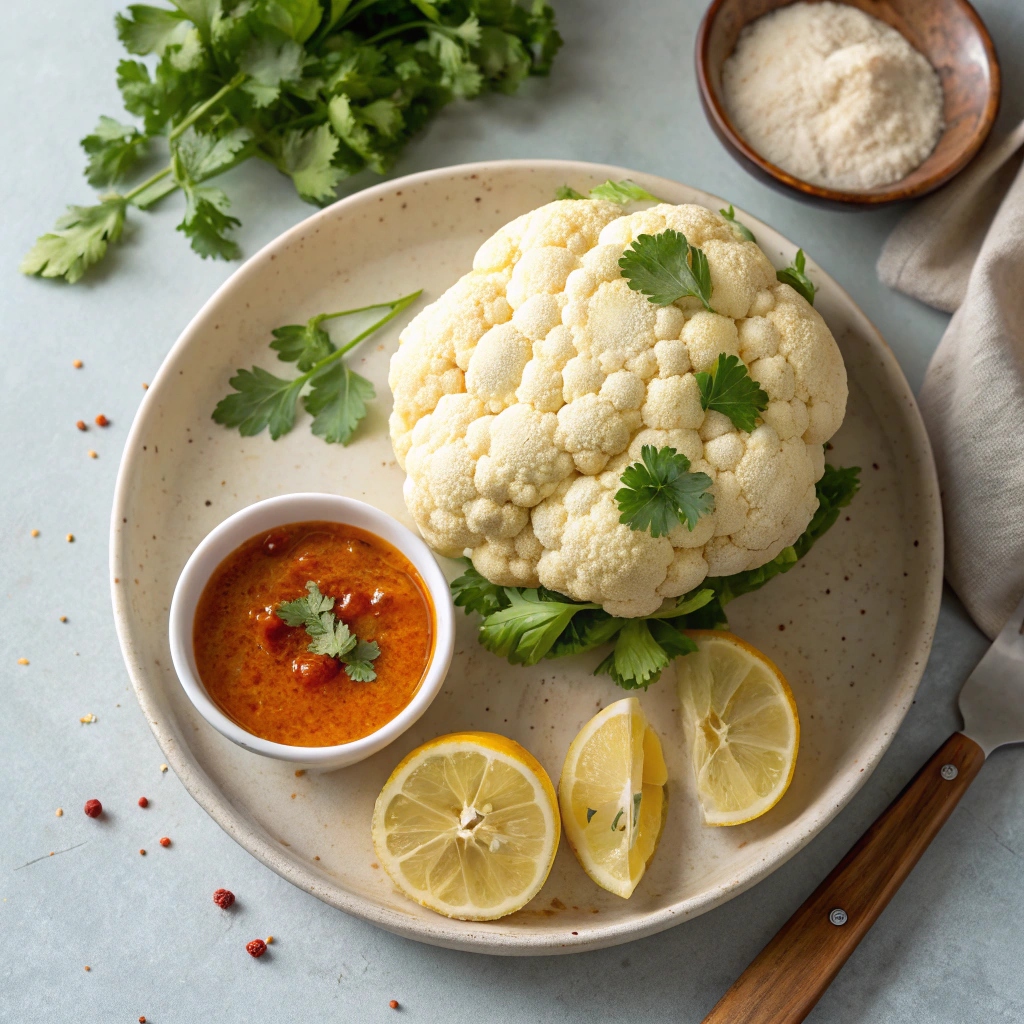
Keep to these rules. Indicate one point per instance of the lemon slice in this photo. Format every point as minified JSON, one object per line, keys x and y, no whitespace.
{"x":740,"y":718}
{"x":612,"y":795}
{"x":468,"y":826}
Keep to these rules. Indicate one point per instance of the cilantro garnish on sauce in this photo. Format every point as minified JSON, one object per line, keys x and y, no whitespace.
{"x":329,"y":636}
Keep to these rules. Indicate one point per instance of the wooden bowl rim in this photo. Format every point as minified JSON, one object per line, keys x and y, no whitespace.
{"x":893,"y":193}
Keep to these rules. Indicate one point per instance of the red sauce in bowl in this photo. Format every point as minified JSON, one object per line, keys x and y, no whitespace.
{"x":258,"y":670}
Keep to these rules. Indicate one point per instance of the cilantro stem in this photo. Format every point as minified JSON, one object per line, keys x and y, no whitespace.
{"x":206,"y":105}
{"x":129,"y":196}
{"x":399,"y":29}
{"x":396,"y":307}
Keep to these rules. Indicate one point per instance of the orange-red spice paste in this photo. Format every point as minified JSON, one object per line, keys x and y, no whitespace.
{"x":257,"y":669}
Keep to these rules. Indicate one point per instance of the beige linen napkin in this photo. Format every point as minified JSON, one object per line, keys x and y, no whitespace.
{"x":963,"y":250}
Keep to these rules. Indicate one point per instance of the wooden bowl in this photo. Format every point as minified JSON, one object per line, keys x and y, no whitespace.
{"x":948,"y":32}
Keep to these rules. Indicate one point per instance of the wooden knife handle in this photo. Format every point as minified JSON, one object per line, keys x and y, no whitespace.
{"x":791,"y":973}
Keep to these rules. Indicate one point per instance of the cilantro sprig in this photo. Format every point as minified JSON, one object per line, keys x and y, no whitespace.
{"x":330,"y":636}
{"x":794,"y":276}
{"x":337,"y":397}
{"x":660,"y":492}
{"x":527,"y":625}
{"x":729,"y":389}
{"x":319,"y":89}
{"x":665,"y":267}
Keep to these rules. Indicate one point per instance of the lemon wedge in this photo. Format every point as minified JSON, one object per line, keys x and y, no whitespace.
{"x":612,"y":796}
{"x":741,"y":722}
{"x":468,"y":826}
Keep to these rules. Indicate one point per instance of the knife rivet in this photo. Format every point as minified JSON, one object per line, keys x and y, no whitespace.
{"x":838,"y":917}
{"x":948,"y":772}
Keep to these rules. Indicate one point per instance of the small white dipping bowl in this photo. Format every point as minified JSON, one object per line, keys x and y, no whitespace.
{"x":297,"y":508}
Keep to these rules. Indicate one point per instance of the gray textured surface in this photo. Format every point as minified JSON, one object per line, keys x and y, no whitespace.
{"x":946,"y":950}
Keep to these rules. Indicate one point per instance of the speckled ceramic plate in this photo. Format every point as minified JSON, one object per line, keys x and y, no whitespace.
{"x":850,"y":627}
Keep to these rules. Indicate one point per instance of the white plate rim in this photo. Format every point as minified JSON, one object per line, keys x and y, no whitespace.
{"x":455,"y":934}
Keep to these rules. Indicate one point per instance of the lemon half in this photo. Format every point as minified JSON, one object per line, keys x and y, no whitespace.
{"x":741,"y":722}
{"x":468,"y":826}
{"x":612,"y":796}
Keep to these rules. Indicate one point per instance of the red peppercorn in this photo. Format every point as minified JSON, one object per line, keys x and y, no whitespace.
{"x":102,"y":421}
{"x":165,"y":841}
{"x":223,"y":898}
{"x":143,"y":802}
{"x":393,"y":1004}
{"x":142,"y":1020}
{"x":256,"y":948}
{"x":93,"y":808}
{"x":80,"y":424}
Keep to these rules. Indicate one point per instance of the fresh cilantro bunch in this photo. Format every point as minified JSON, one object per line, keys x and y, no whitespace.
{"x":328,"y":635}
{"x":337,"y":395}
{"x":525,"y":626}
{"x":319,"y":89}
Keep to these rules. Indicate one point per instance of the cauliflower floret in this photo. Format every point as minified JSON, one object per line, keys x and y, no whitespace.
{"x":524,"y":392}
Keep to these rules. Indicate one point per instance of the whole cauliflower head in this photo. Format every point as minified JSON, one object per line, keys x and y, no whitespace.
{"x":524,"y":391}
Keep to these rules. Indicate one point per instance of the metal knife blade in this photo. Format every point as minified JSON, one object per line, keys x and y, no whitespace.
{"x":992,"y":699}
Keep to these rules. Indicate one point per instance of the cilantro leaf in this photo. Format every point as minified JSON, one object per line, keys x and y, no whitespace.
{"x":296,"y":18}
{"x":197,"y":156}
{"x":502,"y":58}
{"x":261,"y":400}
{"x":79,"y":240}
{"x":113,"y":149}
{"x":527,"y":629}
{"x":665,"y":267}
{"x":337,"y":403}
{"x":328,"y":635}
{"x":622,"y":192}
{"x":568,"y":192}
{"x":302,"y":344}
{"x":150,"y":29}
{"x":659,"y":493}
{"x":740,"y":229}
{"x":637,"y":659}
{"x":305,"y":610}
{"x":307,"y":158}
{"x":794,"y":276}
{"x":729,"y":389}
{"x":475,"y":593}
{"x":268,"y":64}
{"x":206,"y":220}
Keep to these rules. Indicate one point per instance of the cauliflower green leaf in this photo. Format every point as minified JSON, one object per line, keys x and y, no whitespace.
{"x":338,"y":396}
{"x":659,"y":493}
{"x":328,"y":635}
{"x":729,"y":389}
{"x":621,"y":192}
{"x":643,"y":649}
{"x":474,"y":592}
{"x":527,"y":629}
{"x":740,"y":229}
{"x":665,"y":267}
{"x":794,"y":276}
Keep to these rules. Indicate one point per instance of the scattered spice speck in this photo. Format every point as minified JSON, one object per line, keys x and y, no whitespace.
{"x":145,"y":386}
{"x":63,"y":618}
{"x":102,"y":421}
{"x":163,"y":767}
{"x":60,"y":812}
{"x":299,"y":772}
{"x":393,"y":1004}
{"x":93,"y":808}
{"x":88,"y":968}
{"x":93,"y":454}
{"x":256,"y":948}
{"x":223,"y":898}
{"x":71,"y":538}
{"x":164,"y":841}
{"x":142,"y":853}
{"x":143,"y":802}
{"x":35,"y":533}
{"x":81,"y":425}
{"x":142,"y":1020}
{"x":23,"y":661}
{"x":88,"y":719}
{"x":270,"y":939}
{"x":77,"y":364}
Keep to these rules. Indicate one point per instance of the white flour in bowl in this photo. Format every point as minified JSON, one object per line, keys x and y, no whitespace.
{"x":833,"y":96}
